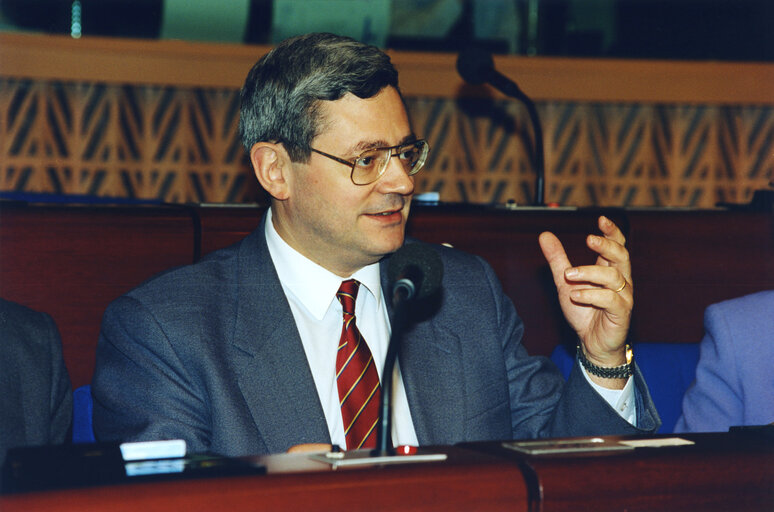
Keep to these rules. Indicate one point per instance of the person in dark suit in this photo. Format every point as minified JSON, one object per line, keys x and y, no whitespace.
{"x":241,"y":352}
{"x":36,"y":400}
{"x":734,"y":383}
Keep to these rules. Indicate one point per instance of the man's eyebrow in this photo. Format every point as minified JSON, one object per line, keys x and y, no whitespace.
{"x":374,"y":144}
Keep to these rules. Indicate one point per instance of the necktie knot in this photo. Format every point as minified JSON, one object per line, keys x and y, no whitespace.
{"x":347,"y":294}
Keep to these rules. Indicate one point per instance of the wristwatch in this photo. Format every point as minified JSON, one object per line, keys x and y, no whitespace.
{"x":616,"y":372}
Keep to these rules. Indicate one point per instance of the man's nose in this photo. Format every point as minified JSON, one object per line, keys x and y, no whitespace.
{"x":395,"y":178}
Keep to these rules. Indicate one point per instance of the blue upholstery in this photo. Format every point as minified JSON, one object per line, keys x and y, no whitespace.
{"x":668,"y":368}
{"x":82,"y":406}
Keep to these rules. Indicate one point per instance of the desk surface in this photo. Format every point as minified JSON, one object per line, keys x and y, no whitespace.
{"x":717,"y":472}
{"x":294,"y":482}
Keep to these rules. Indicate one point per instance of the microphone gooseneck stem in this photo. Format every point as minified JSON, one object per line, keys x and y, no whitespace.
{"x":384,"y":427}
{"x":539,"y":161}
{"x":509,"y":88}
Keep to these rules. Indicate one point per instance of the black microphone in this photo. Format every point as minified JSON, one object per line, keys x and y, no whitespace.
{"x":414,"y":273}
{"x":476,"y":67}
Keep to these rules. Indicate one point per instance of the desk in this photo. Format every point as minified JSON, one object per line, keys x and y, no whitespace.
{"x":718,"y":472}
{"x":295,"y":483}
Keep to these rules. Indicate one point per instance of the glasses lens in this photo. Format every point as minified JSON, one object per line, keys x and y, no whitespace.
{"x":369,"y":166}
{"x":413,"y":156}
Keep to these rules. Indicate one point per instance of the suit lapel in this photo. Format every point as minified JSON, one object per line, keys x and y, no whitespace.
{"x":277,"y":384}
{"x":274,"y":374}
{"x":431,"y":364}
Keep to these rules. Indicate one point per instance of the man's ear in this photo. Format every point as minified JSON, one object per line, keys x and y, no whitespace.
{"x":271,"y":164}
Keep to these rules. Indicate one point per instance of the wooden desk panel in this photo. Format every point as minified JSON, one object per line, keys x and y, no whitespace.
{"x":467,"y":481}
{"x":718,"y":473}
{"x":71,"y":262}
{"x":223,"y":226}
{"x":675,"y":481}
{"x":683,"y":261}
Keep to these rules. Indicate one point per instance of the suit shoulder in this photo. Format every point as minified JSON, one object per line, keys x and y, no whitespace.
{"x":746,"y":308}
{"x":13,"y":311}
{"x":26,"y":327}
{"x":17,"y":315}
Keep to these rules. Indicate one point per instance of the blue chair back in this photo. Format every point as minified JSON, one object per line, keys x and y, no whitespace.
{"x":668,"y":368}
{"x":82,"y":407}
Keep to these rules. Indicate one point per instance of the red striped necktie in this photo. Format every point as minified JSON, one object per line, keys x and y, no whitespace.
{"x":356,"y":377}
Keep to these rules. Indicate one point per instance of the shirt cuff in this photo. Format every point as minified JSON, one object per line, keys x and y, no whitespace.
{"x":622,"y":400}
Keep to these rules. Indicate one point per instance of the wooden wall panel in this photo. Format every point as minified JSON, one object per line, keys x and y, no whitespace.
{"x":71,"y":262}
{"x":127,"y":119}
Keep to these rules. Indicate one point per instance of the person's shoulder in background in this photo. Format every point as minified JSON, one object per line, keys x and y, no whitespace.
{"x":35,"y":392}
{"x":734,"y":383}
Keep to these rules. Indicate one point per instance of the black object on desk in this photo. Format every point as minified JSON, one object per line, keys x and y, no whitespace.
{"x":81,"y":465}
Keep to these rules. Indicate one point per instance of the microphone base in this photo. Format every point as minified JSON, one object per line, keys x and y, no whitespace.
{"x":369,"y":458}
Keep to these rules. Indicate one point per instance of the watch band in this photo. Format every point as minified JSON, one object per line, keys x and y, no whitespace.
{"x":616,"y":372}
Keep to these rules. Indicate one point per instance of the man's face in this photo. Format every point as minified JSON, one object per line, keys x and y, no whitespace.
{"x":335,"y":223}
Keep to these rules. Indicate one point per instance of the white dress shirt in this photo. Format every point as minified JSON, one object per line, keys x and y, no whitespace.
{"x":311,"y":293}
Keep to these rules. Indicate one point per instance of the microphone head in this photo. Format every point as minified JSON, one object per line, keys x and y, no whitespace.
{"x":475,"y":65}
{"x":420,"y":262}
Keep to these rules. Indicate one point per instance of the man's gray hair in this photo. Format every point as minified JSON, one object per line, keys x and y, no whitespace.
{"x":280,"y":100}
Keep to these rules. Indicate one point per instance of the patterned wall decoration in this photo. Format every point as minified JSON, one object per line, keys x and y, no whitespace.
{"x":181,"y":145}
{"x":172,"y":145}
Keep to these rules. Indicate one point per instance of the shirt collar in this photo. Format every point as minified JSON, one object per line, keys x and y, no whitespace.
{"x":314,"y":286}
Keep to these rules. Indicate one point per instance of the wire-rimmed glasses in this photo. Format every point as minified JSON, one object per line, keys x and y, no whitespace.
{"x":371,"y":164}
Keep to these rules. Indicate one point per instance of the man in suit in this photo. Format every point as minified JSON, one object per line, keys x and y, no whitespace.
{"x":734,"y":379}
{"x":36,"y":400}
{"x":241,"y":353}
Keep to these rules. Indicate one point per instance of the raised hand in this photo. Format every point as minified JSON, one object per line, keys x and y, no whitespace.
{"x":597,"y":299}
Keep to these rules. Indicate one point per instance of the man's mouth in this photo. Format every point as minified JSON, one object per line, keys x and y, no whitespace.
{"x":387,"y":213}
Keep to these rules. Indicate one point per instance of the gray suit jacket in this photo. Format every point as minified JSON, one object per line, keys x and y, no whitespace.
{"x":210,"y":353}
{"x":36,"y":400}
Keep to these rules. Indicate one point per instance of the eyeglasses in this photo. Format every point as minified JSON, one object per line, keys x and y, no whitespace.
{"x":370,"y":165}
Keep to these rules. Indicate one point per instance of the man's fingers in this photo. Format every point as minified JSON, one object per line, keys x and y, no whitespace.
{"x":611,"y":253}
{"x":614,"y":304}
{"x":604,"y":277}
{"x":610,"y":230}
{"x":554,"y":253}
